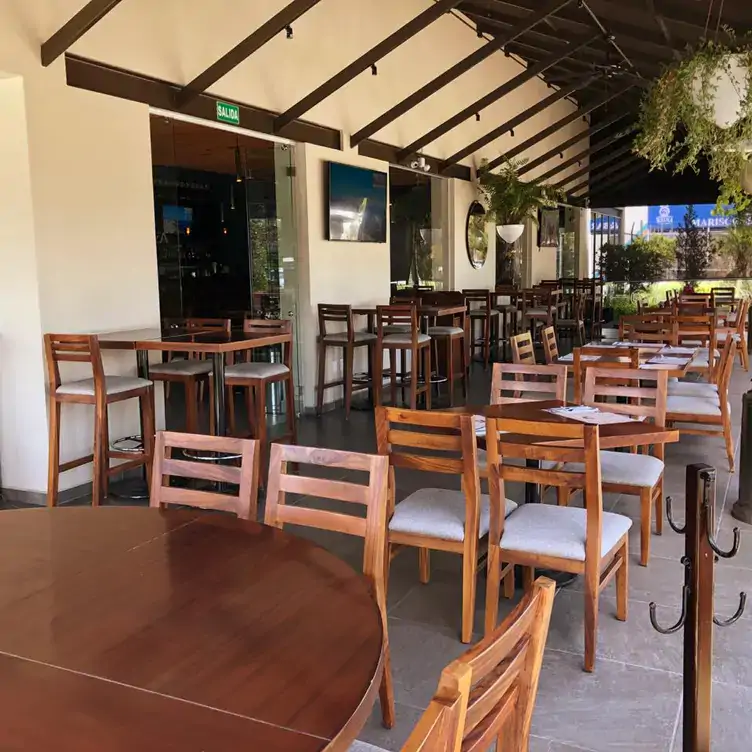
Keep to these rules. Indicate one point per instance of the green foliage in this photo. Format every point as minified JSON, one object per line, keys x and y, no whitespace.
{"x":736,"y":244}
{"x":511,"y":200}
{"x":676,"y":122}
{"x":693,"y":249}
{"x":639,"y":262}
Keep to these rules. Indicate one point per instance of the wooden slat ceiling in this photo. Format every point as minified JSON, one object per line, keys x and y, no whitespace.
{"x":640,"y":37}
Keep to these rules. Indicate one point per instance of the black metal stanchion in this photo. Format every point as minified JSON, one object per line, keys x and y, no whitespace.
{"x":697,"y":617}
{"x":742,"y":509}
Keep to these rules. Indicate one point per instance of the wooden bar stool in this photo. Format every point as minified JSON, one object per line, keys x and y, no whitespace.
{"x":415,"y":343}
{"x":192,"y":372}
{"x":348,"y":340}
{"x":255,"y":376}
{"x":480,"y":309}
{"x":99,"y":391}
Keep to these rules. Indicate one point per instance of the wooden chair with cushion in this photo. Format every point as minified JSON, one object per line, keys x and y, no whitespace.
{"x":523,"y":350}
{"x":407,"y":341}
{"x":586,"y":541}
{"x":488,"y":694}
{"x":706,"y":404}
{"x":627,"y":473}
{"x":739,"y":329}
{"x":255,"y":376}
{"x":550,"y":345}
{"x":372,"y":528}
{"x":349,"y":340}
{"x":592,"y":356}
{"x":437,"y":518}
{"x":244,"y":504}
{"x":539,"y":308}
{"x":192,"y":372}
{"x":653,"y":328}
{"x":574,"y":325}
{"x":480,"y":309}
{"x":100,"y":392}
{"x":530,"y":382}
{"x":700,"y":330}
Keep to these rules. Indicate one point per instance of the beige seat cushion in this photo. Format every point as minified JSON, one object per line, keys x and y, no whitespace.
{"x":693,"y":389}
{"x":623,"y":468}
{"x":255,"y":370}
{"x":693,"y":405}
{"x":445,"y":331}
{"x":440,"y":513}
{"x":341,"y":338}
{"x":181,"y":367}
{"x":113,"y":385}
{"x":558,"y":531}
{"x":357,"y":746}
{"x":404,"y":339}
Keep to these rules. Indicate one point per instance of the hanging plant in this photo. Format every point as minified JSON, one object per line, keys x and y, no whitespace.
{"x":701,"y":108}
{"x":510,"y":200}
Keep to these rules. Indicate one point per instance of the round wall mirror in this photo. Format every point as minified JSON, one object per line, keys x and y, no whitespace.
{"x":476,"y":238}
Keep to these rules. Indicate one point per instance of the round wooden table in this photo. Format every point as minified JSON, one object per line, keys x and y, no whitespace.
{"x":136,"y":629}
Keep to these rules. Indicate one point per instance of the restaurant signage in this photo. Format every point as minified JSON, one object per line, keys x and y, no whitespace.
{"x":228,"y":113}
{"x":669,"y":217}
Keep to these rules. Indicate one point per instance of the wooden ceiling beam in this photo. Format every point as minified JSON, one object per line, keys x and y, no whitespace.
{"x":586,"y":153}
{"x":543,"y":158}
{"x":455,"y":71}
{"x":588,"y":169}
{"x":551,"y":129}
{"x":514,"y":122}
{"x":483,"y":102}
{"x":91,"y":14}
{"x":243,"y":50}
{"x":382,"y":49}
{"x":625,"y":175}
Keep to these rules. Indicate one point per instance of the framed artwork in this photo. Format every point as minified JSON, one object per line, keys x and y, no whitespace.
{"x":548,"y":228}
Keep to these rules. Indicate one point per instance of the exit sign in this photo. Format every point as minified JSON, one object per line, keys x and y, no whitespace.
{"x":228,"y":113}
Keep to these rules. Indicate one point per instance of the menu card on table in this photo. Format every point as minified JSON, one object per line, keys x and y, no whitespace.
{"x":593,"y":415}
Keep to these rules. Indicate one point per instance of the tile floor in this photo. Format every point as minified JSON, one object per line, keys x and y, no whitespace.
{"x":633,"y":700}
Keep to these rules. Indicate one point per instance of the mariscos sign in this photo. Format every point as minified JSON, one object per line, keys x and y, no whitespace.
{"x":669,"y":217}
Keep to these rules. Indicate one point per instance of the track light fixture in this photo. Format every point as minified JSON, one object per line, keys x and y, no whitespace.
{"x":288,"y":31}
{"x":477,"y":117}
{"x":374,"y":70}
{"x":511,"y":131}
{"x":480,"y":33}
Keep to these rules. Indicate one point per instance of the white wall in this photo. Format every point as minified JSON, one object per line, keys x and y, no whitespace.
{"x":466,"y":276}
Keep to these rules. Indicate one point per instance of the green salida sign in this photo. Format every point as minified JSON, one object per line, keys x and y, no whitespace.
{"x":228,"y":113}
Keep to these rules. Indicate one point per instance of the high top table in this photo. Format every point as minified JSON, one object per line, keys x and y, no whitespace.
{"x":149,"y":630}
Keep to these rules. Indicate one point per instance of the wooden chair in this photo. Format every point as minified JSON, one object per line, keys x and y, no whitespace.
{"x":507,"y":311}
{"x":412,"y":342}
{"x":595,"y":356}
{"x":627,"y":473}
{"x":523,"y":350}
{"x":550,"y":345}
{"x":348,"y":340}
{"x":244,"y":504}
{"x":437,"y":518}
{"x":700,"y":330}
{"x":372,"y":528}
{"x":649,"y":328}
{"x":740,"y":330}
{"x":530,"y":382}
{"x":706,"y":404}
{"x":100,"y":391}
{"x":488,"y":694}
{"x":480,"y":307}
{"x":586,"y":541}
{"x":573,"y":326}
{"x":255,"y":376}
{"x":192,"y":372}
{"x":538,"y":308}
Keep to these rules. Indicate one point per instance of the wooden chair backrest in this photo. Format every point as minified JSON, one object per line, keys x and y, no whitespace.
{"x":585,"y":358}
{"x":210,"y":324}
{"x":550,"y":345}
{"x":549,"y":381}
{"x":272,"y":327}
{"x":523,"y":350}
{"x":73,"y":348}
{"x":741,"y":318}
{"x":244,"y":504}
{"x":479,"y":300}
{"x":505,"y":668}
{"x":336,"y":314}
{"x":372,"y":495}
{"x":651,"y":327}
{"x":405,"y":314}
{"x":555,"y":442}
{"x":726,"y":365}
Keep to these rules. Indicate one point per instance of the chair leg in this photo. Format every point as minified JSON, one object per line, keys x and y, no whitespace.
{"x":469,"y":564}
{"x":250,"y":409}
{"x":105,"y":468}
{"x":591,"y":619}
{"x":528,"y":577}
{"x":146,"y":405}
{"x":349,"y":353}
{"x":464,"y":365}
{"x":378,"y":375}
{"x":292,"y":423}
{"x":744,"y":355}
{"x":509,"y":583}
{"x":562,"y":496}
{"x":321,"y":377}
{"x":427,"y":371}
{"x":424,"y":565}
{"x":260,"y":398}
{"x":96,"y":477}
{"x":729,"y":439}
{"x":646,"y":520}
{"x":191,"y":408}
{"x":414,"y":364}
{"x":393,"y":357}
{"x":53,"y":466}
{"x":493,"y":573}
{"x":212,"y":414}
{"x":450,"y":369}
{"x":622,"y":583}
{"x":386,"y":690}
{"x":659,"y":507}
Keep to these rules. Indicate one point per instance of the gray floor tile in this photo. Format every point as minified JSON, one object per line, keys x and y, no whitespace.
{"x":614,"y":709}
{"x":390,"y":739}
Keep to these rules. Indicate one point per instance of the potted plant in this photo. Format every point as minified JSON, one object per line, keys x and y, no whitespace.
{"x":701,"y":109}
{"x":510,"y":200}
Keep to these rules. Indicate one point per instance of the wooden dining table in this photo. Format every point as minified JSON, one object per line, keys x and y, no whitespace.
{"x":647,"y":352}
{"x":152,"y":630}
{"x":215,"y":344}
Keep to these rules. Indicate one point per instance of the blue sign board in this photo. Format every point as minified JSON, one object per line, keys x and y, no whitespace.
{"x":605,"y":223}
{"x":669,"y":217}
